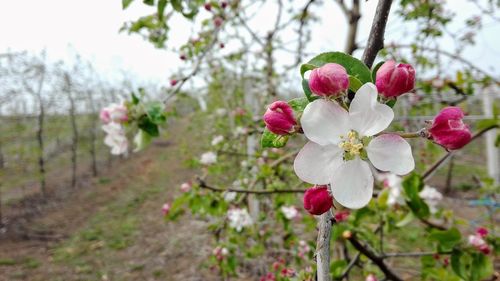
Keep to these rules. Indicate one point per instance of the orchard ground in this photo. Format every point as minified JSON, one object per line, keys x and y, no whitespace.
{"x":111,"y":227}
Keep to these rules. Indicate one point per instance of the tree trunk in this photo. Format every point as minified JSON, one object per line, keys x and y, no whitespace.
{"x":74,"y":129}
{"x":92,"y":133}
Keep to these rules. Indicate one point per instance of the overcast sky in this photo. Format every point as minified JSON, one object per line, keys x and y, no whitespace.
{"x":90,"y":28}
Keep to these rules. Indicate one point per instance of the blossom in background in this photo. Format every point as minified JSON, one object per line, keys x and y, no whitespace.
{"x":290,"y":212}
{"x":165,"y":209}
{"x":341,"y":143}
{"x":303,"y":249}
{"x":449,"y":130}
{"x":341,"y":216}
{"x":216,"y":140}
{"x":239,"y":218}
{"x":279,"y":118}
{"x":220,"y":252}
{"x":208,"y":158}
{"x":220,"y":111}
{"x":393,"y":79}
{"x":115,"y":138}
{"x":371,"y":277}
{"x":432,"y":197}
{"x":114,"y":113}
{"x":268,"y":277}
{"x":478,"y":242}
{"x":229,"y":196}
{"x":317,"y":200}
{"x":240,"y":131}
{"x":394,"y":184}
{"x":185,"y":187}
{"x":330,"y":79}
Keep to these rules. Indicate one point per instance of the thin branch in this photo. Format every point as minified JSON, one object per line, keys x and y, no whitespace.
{"x":302,"y":20}
{"x":203,"y":184}
{"x":414,"y":254}
{"x":379,"y":261}
{"x":349,"y":267}
{"x":376,"y":40}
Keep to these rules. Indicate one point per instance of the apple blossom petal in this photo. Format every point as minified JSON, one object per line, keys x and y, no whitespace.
{"x":352,"y":184}
{"x":366,"y":115}
{"x":390,"y":152}
{"x":324,"y":122}
{"x":316,"y":164}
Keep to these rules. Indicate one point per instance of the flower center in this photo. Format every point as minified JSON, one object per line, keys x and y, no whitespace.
{"x":353,"y":145}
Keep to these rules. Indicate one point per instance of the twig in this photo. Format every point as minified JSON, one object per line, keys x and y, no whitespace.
{"x":302,"y":20}
{"x":323,"y":247}
{"x":203,"y":184}
{"x":350,"y":266}
{"x":379,"y":261}
{"x":414,"y":254}
{"x":376,"y":40}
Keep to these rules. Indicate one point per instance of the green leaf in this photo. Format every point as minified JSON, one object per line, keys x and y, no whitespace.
{"x":141,"y":140}
{"x":375,"y":69}
{"x":353,"y":66}
{"x":149,"y":127}
{"x":156,"y":112}
{"x":482,"y":267}
{"x":412,"y":185}
{"x":272,"y":140}
{"x":406,"y":220}
{"x":307,"y":91}
{"x":337,"y":267}
{"x":392,"y":102}
{"x":497,"y":140}
{"x":456,"y":263}
{"x":298,"y":104}
{"x":126,"y":3}
{"x":486,"y":123}
{"x":161,"y":8}
{"x":177,"y":4}
{"x":354,"y":83}
{"x":135,"y":99}
{"x":149,"y":2}
{"x":447,"y":239}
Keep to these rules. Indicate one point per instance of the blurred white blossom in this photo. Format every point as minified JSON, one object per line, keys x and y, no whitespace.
{"x":239,"y":218}
{"x":208,"y":158}
{"x":432,"y":197}
{"x":217,"y":139}
{"x":290,"y":212}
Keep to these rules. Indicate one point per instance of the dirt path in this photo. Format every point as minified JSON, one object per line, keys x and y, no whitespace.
{"x":114,"y":229}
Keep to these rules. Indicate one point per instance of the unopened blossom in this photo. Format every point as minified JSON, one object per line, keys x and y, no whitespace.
{"x":290,"y":212}
{"x":268,"y":277}
{"x":185,"y":187}
{"x":279,"y":118}
{"x":395,"y":185}
{"x":341,"y":216}
{"x":239,"y":218}
{"x":207,"y":6}
{"x":371,"y":277}
{"x":342,"y":142}
{"x":317,"y":200}
{"x":432,"y":197}
{"x":220,"y":252}
{"x":218,"y":21}
{"x":449,"y":130}
{"x":394,"y":79}
{"x":478,"y":242}
{"x":173,"y":82}
{"x":229,"y":196}
{"x":115,"y":138}
{"x":216,"y":140}
{"x":303,"y":249}
{"x":114,"y":113}
{"x":208,"y":158}
{"x":330,"y":79}
{"x":481,"y":231}
{"x":288,"y":272}
{"x":165,"y":209}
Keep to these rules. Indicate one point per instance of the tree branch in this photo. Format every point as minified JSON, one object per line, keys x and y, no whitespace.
{"x":376,"y":39}
{"x":323,"y":247}
{"x":203,"y":184}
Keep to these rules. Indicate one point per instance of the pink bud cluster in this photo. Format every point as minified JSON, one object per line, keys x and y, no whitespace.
{"x":393,"y":80}
{"x":279,"y":118}
{"x":478,"y":242}
{"x":341,"y":216}
{"x":371,"y":277}
{"x":317,"y":200}
{"x":220,"y":253}
{"x":303,"y":249}
{"x":448,"y":129}
{"x":165,"y":209}
{"x":185,"y":187}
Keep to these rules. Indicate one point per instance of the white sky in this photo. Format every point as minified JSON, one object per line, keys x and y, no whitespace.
{"x":90,"y":28}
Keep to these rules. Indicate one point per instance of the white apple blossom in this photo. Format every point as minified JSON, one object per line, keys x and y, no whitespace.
{"x":290,"y":212}
{"x":218,"y":139}
{"x":240,"y":131}
{"x":229,"y":196}
{"x":394,"y":184}
{"x":239,"y":218}
{"x":114,"y":113}
{"x":432,"y":197}
{"x":115,"y":138}
{"x":341,"y":143}
{"x":208,"y":158}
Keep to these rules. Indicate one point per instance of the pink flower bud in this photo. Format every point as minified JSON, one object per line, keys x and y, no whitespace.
{"x":185,"y":187}
{"x":481,"y":231}
{"x":395,"y":79}
{"x":279,"y":118}
{"x":341,"y":216}
{"x":448,"y":129}
{"x":183,"y":57}
{"x":173,"y":82}
{"x":218,"y":21}
{"x":317,"y":200}
{"x":223,"y":4}
{"x":208,"y":7}
{"x":371,"y":277}
{"x":105,"y":116}
{"x":221,"y":45}
{"x":165,"y":209}
{"x":329,"y":80}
